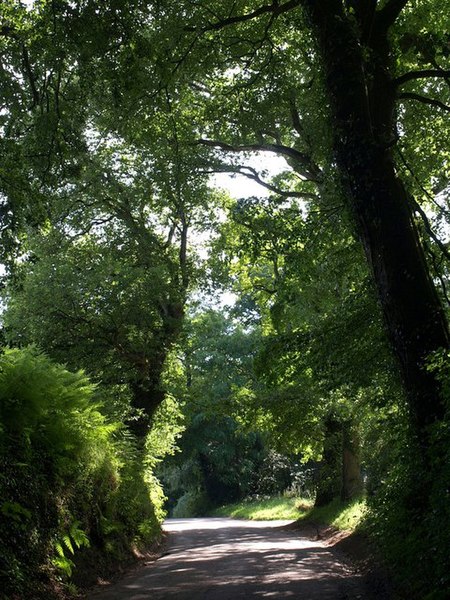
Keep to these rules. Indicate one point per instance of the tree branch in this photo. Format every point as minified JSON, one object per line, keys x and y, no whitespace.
{"x":296,"y":121}
{"x":309,"y":171}
{"x":252,"y":173}
{"x":422,"y":74}
{"x":438,"y":273}
{"x":442,"y":247}
{"x":424,"y":100}
{"x":418,"y":209}
{"x":274,"y":9}
{"x":30,"y":75}
{"x":90,"y":227}
{"x":422,"y":188}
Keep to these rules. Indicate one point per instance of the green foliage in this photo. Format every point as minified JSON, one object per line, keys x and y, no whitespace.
{"x":84,"y":301}
{"x":223,"y":457}
{"x":218,"y":461}
{"x":161,"y":442}
{"x":103,"y":105}
{"x":69,"y":477}
{"x":409,"y":512}
{"x":412,"y":530}
{"x":74,"y":537}
{"x":193,"y":503}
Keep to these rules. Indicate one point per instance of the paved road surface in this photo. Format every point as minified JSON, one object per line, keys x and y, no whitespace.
{"x":224,"y":559}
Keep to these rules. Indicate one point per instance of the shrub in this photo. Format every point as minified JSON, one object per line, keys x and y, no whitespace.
{"x":69,"y":478}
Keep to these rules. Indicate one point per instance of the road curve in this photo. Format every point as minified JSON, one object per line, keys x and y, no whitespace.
{"x":225,"y":559}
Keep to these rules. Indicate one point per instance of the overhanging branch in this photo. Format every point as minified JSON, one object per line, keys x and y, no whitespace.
{"x":422,"y":74}
{"x":253,"y":174}
{"x":418,"y":209}
{"x":308,"y":170}
{"x":275,"y":9}
{"x":424,"y":100}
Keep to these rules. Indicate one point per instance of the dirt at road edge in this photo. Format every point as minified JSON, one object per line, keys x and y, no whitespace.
{"x":358,"y":553}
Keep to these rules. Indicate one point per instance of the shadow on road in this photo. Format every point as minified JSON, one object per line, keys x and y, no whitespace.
{"x":221,"y":559}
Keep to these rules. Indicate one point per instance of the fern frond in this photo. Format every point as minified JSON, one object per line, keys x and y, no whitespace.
{"x":78,"y":535}
{"x":64,"y":564}
{"x":59,"y":549}
{"x":68,"y":543}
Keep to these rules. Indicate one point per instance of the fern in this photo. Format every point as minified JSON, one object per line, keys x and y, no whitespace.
{"x":78,"y":535}
{"x":59,"y":549}
{"x":58,"y":450}
{"x":68,"y":543}
{"x":74,"y":537}
{"x":64,"y":564}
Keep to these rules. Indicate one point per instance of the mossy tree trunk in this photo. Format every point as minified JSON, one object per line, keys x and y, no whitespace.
{"x":147,"y":387}
{"x":362,"y":99}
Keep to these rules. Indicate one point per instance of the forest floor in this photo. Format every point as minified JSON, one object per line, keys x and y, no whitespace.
{"x":224,"y":559}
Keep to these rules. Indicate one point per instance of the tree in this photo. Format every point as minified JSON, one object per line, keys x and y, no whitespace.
{"x":359,"y":50}
{"x":42,"y":118}
{"x":364,"y":53}
{"x":106,"y":281}
{"x":363,"y":94}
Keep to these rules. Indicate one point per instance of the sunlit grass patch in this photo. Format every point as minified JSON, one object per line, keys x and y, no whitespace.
{"x":342,"y":515}
{"x":265,"y":509}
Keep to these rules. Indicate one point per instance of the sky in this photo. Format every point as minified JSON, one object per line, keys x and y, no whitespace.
{"x":239,"y":186}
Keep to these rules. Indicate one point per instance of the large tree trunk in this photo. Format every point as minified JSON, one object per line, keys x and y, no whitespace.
{"x":147,"y":388}
{"x":352,"y":485}
{"x":362,"y":100}
{"x":330,"y":471}
{"x":147,"y":396}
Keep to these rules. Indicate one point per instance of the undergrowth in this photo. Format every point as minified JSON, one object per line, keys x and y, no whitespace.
{"x":70,"y":479}
{"x":341,"y":515}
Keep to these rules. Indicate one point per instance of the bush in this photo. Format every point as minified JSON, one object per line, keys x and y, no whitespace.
{"x":409,"y":516}
{"x":69,"y":478}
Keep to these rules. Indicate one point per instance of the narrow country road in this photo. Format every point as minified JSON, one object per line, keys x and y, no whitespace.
{"x":224,"y":559}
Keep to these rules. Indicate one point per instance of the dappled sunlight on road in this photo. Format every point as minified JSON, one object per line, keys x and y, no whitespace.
{"x":220,"y":559}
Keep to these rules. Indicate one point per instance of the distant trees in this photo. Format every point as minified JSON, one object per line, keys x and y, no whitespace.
{"x":323,"y":361}
{"x":224,"y":456}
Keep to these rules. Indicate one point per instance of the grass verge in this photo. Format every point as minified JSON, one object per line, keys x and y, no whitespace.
{"x":265,"y":509}
{"x":340,"y":515}
{"x":346,"y":516}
